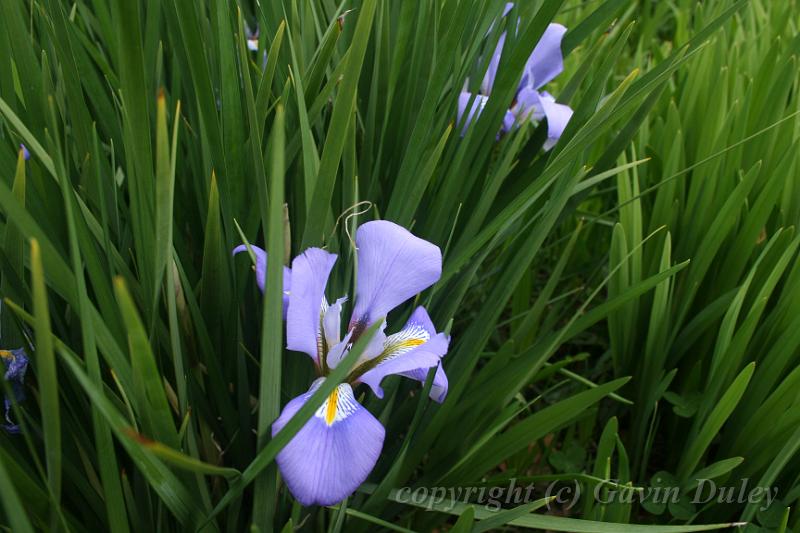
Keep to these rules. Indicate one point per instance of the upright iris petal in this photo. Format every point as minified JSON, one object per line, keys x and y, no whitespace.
{"x":546,"y":61}
{"x":15,"y":363}
{"x":393,"y":266}
{"x":332,"y":322}
{"x":310,"y":271}
{"x":334,"y":452}
{"x":261,"y":272}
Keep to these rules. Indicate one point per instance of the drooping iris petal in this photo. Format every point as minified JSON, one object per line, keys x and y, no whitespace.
{"x":558,"y":116}
{"x":410,"y":353}
{"x":438,"y":387}
{"x":334,"y":452}
{"x":537,"y":106}
{"x":310,"y":271}
{"x":15,"y":363}
{"x":528,"y":105}
{"x":546,"y":61}
{"x":261,"y":272}
{"x":393,"y":266}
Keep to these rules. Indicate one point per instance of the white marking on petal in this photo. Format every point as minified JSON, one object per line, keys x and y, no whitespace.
{"x":404,"y":341}
{"x":338,"y":406}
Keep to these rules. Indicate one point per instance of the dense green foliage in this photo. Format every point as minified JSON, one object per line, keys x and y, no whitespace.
{"x":625,"y":306}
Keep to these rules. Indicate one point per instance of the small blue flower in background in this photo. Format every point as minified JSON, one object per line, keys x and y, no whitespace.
{"x":251,"y":36}
{"x":252,"y":42}
{"x":15,"y":363}
{"x":25,"y":153}
{"x":545,"y":63}
{"x":338,"y":447}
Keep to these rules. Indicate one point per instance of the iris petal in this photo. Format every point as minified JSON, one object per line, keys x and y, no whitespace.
{"x":332,"y":322}
{"x":393,"y":266}
{"x":439,"y":387}
{"x":372,"y":350}
{"x":475,"y":110}
{"x":478,"y":103}
{"x":334,"y":452}
{"x":410,"y":353}
{"x":491,"y":71}
{"x":546,"y":61}
{"x":310,"y":271}
{"x":261,"y":272}
{"x":536,"y":106}
{"x":558,"y":115}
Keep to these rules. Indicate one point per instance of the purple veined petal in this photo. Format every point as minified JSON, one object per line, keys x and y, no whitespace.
{"x":393,"y":266}
{"x":334,"y":452}
{"x":546,"y":61}
{"x":310,"y":271}
{"x":410,"y":353}
{"x":261,"y":273}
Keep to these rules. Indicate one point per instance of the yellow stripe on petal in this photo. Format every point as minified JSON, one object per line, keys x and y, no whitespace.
{"x":339,"y":405}
{"x":330,"y":412}
{"x":404,"y":341}
{"x":5,"y":354}
{"x":410,"y":343}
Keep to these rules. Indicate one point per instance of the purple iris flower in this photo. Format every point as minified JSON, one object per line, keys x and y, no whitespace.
{"x":25,"y":153}
{"x":261,"y":272}
{"x":338,"y":447}
{"x":15,"y":363}
{"x":545,"y":63}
